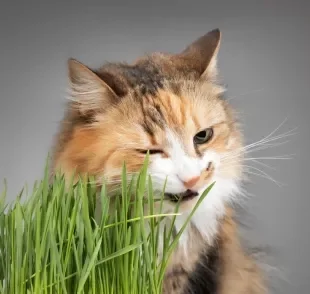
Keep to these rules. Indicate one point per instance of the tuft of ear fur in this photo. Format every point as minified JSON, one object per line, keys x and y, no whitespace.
{"x":201,"y":55}
{"x":88,"y":91}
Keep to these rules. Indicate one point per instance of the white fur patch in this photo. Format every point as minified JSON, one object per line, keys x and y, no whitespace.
{"x":206,"y":217}
{"x":178,"y":168}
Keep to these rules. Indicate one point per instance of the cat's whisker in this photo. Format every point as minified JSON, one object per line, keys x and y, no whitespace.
{"x":279,"y":184}
{"x":256,"y":161}
{"x":277,"y":128}
{"x":260,"y":163}
{"x":254,"y":148}
{"x":276,"y":157}
{"x":280,"y":157}
{"x":239,"y":153}
{"x":269,"y":138}
{"x":265,"y":140}
{"x":260,"y":173}
{"x":265,"y":146}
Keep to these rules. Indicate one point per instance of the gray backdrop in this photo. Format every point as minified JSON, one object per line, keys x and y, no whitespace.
{"x":264,"y":59}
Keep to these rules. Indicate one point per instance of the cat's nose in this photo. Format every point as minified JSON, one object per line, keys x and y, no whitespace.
{"x":191,"y":182}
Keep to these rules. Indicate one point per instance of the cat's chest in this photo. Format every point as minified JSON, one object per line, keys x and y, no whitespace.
{"x":194,"y":271}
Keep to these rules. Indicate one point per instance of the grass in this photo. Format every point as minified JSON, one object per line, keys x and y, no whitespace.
{"x":53,"y":242}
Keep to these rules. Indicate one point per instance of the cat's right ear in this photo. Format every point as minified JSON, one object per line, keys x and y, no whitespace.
{"x":201,"y":55}
{"x":88,"y":90}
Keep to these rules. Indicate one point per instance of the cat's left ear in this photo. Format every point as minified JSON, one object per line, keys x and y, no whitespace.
{"x":201,"y":55}
{"x":89,"y":92}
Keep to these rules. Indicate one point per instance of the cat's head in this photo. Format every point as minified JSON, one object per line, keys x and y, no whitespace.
{"x":169,"y":104}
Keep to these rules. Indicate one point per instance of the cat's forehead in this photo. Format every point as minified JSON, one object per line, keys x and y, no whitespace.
{"x":187,"y":110}
{"x":144,"y":77}
{"x":157,"y":97}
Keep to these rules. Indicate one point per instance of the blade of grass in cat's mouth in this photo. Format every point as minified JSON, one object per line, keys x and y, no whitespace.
{"x":184,"y":196}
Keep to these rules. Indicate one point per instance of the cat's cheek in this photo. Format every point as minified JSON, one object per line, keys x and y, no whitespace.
{"x":161,"y":165}
{"x":163,"y":173}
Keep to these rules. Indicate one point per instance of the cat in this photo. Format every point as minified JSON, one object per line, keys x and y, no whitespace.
{"x":172,"y":106}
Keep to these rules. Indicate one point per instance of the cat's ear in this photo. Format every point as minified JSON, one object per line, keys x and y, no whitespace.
{"x":202,"y":54}
{"x":88,"y":90}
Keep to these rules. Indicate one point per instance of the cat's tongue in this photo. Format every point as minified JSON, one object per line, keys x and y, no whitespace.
{"x":187,"y":195}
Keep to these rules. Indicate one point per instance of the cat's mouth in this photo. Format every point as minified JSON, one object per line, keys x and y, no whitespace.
{"x":184,"y":196}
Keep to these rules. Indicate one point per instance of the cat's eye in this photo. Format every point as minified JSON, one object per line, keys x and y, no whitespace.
{"x":203,"y":136}
{"x":151,"y":151}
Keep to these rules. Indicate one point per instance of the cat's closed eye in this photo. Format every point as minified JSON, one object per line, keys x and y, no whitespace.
{"x":203,"y":136}
{"x":151,"y":151}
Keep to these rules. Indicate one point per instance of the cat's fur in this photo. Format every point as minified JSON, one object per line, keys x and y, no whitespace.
{"x":160,"y":102}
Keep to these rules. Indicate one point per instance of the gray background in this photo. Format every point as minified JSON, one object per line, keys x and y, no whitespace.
{"x":264,"y":59}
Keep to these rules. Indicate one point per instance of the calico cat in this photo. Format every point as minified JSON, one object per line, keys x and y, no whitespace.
{"x":173,"y":106}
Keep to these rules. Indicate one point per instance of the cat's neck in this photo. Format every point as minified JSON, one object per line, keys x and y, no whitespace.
{"x":207,"y":217}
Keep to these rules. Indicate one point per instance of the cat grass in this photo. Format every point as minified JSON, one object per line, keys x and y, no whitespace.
{"x":53,"y":242}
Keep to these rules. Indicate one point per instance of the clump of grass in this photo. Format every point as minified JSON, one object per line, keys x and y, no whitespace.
{"x":53,"y":242}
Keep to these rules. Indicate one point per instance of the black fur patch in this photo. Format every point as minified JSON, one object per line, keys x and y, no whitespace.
{"x":205,"y":278}
{"x":145,"y":77}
